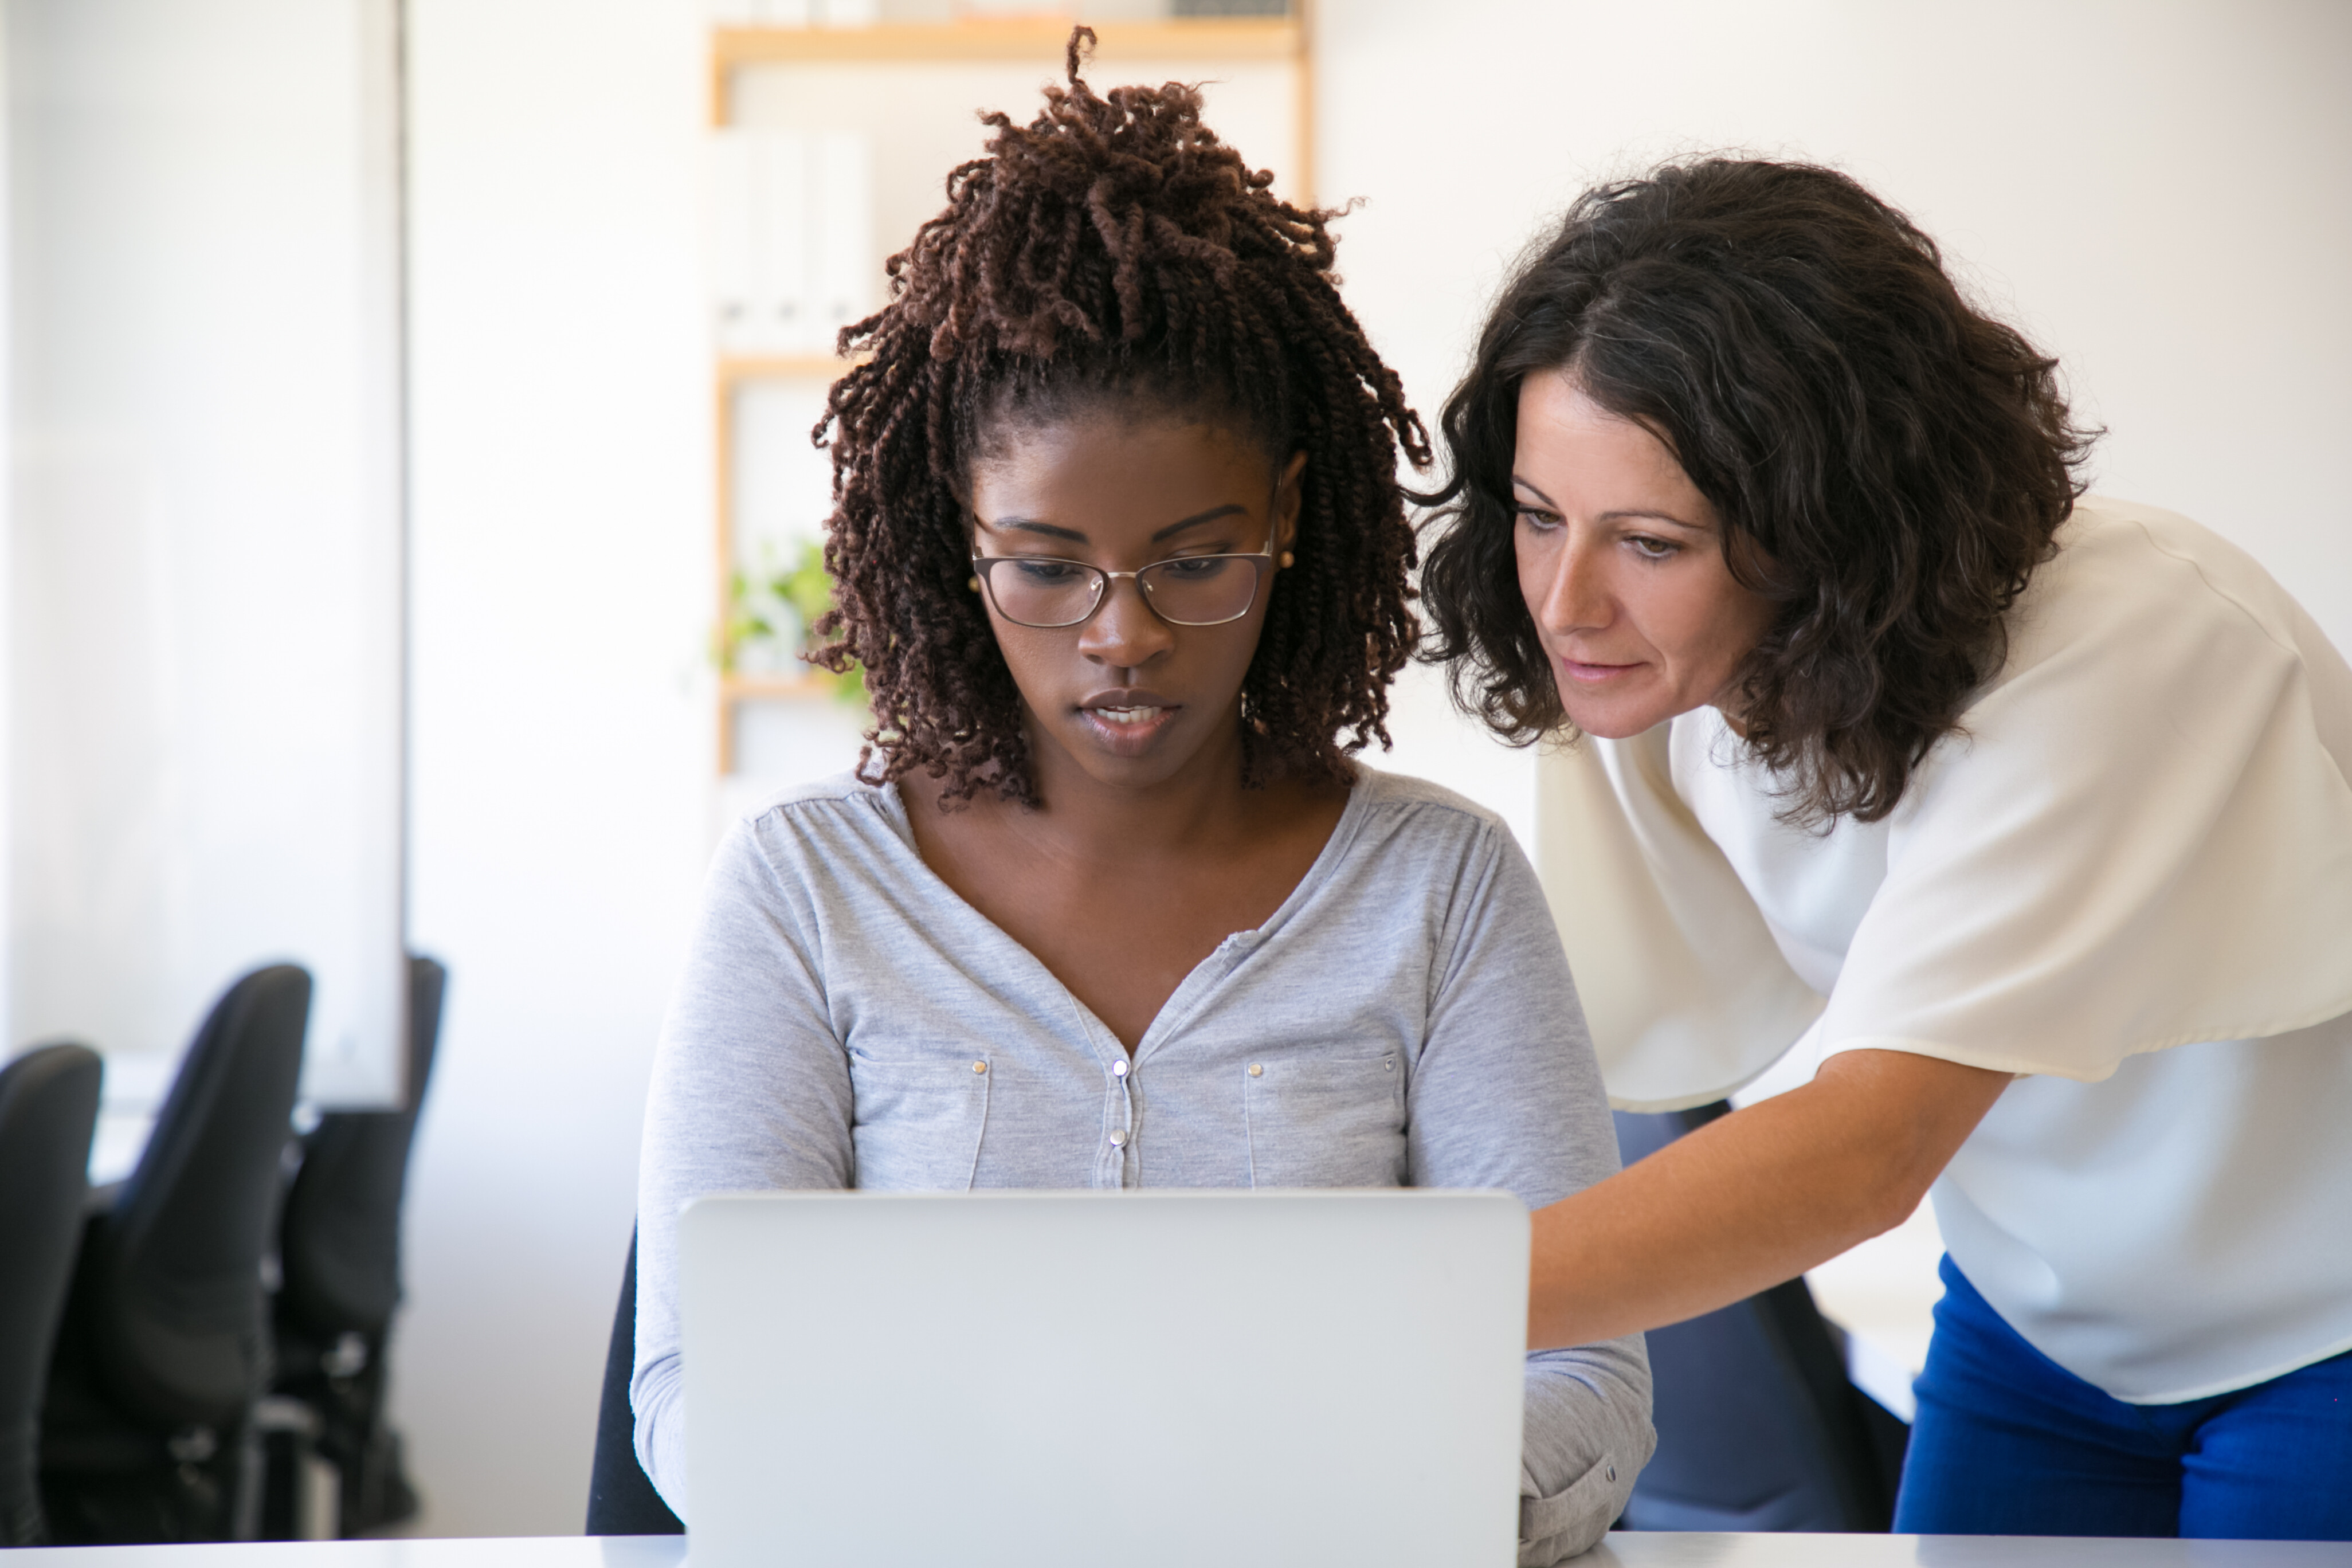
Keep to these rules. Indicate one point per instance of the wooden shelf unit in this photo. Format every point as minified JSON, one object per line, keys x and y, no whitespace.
{"x":1042,"y":38}
{"x":740,"y":688}
{"x":1014,"y":38}
{"x":733,"y":371}
{"x":736,"y":368}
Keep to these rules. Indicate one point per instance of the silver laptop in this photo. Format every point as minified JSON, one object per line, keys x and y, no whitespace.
{"x":1152,"y":1379}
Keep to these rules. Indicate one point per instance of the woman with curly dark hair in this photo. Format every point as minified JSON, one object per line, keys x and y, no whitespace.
{"x":2023,"y":814}
{"x":1119,"y":546}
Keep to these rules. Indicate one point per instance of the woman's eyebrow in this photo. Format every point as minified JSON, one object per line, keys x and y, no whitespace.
{"x":1211,"y":515}
{"x":1646,"y":514}
{"x":1622,"y":513}
{"x":1031,"y":525}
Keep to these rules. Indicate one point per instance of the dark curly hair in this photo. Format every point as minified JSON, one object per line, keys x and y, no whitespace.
{"x":1112,"y":250}
{"x":1890,"y":464}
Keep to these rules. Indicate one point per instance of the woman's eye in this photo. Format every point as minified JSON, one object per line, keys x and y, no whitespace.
{"x":1650,"y":549}
{"x":1191,"y":566}
{"x":1535,"y":517}
{"x":1048,"y":574}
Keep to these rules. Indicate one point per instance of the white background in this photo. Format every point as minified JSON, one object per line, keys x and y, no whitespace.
{"x":2156,"y":191}
{"x":204,"y":541}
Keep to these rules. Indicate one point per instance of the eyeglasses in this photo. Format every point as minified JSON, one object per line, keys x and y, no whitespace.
{"x":1187,"y":591}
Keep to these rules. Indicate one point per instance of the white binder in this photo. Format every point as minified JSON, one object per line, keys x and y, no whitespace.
{"x":732,"y":267}
{"x":846,"y":267}
{"x":785,"y":311}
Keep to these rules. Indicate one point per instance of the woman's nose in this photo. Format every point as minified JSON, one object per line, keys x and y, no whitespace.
{"x":1124,"y":633}
{"x":1575,"y":598}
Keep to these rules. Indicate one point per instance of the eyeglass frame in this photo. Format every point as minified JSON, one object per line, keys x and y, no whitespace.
{"x":1104,"y":578}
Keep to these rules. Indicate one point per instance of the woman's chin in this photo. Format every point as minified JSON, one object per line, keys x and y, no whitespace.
{"x":1619,"y":721}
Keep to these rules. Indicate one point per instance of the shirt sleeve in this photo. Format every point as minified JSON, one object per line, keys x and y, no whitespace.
{"x":750,"y":1092}
{"x":2139,"y":841}
{"x":1506,"y":1094}
{"x":1687,"y":994}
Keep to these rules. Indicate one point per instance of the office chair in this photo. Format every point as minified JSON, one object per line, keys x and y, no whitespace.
{"x":621,"y":1499}
{"x":146,"y":1431}
{"x":1759,"y":1428}
{"x":338,"y":1256}
{"x":49,"y":1110}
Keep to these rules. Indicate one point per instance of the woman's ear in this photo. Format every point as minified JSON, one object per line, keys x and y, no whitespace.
{"x":1289,"y":496}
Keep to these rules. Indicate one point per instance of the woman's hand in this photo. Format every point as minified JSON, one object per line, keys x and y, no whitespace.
{"x":1753,"y":1198}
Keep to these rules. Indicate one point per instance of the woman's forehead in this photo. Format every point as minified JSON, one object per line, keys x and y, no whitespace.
{"x":1072,"y":478}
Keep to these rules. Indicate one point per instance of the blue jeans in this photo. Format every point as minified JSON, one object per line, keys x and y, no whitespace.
{"x":2008,"y":1442}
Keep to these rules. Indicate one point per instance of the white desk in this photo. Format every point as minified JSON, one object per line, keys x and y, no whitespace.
{"x":1624,"y":1550}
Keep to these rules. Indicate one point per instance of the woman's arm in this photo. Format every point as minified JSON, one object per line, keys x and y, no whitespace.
{"x":750,"y":1092}
{"x":1507,"y":1093}
{"x":1753,"y":1198}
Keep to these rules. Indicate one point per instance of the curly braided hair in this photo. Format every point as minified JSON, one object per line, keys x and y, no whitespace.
{"x":1113,"y":251}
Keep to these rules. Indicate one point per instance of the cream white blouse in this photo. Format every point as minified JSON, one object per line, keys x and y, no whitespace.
{"x":2129,"y":876}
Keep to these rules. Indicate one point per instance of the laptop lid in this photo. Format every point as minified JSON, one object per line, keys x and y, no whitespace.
{"x":1156,"y":1378}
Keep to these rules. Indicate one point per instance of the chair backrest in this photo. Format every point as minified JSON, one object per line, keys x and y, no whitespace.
{"x":339,"y":1241}
{"x":621,"y":1499}
{"x":49,"y":1108}
{"x":171,"y":1281}
{"x":1759,"y":1428}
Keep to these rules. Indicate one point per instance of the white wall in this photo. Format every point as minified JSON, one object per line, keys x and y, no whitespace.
{"x":204,"y":686}
{"x":2160,"y":193}
{"x":561,"y":738}
{"x":2098,"y":167}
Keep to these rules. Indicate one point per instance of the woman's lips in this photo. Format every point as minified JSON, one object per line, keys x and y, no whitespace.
{"x":1128,"y":725}
{"x":1588,"y":674}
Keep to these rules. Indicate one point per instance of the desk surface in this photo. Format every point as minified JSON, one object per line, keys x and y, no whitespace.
{"x":1623,"y":1549}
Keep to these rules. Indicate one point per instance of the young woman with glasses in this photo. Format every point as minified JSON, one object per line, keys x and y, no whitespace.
{"x":1119,"y":546}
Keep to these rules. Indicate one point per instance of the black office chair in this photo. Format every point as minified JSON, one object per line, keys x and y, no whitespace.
{"x":164,"y":1348}
{"x":1758,"y":1426}
{"x":621,"y":1499}
{"x":339,"y":1255}
{"x":49,"y":1110}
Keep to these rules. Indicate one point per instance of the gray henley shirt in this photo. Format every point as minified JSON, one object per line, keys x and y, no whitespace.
{"x":1405,"y":1018}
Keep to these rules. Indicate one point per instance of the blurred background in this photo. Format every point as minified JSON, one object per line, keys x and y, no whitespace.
{"x":408,"y":411}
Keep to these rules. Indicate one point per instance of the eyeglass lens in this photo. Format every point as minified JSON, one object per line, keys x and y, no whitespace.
{"x":1192,"y":591}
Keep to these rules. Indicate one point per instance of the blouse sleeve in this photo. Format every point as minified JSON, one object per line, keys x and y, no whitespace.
{"x":1685,"y":991}
{"x":2142,"y":840}
{"x":750,"y":1092}
{"x":2140,"y":837}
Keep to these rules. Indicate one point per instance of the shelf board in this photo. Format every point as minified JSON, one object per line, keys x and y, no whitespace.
{"x":785,"y":367}
{"x":772,"y":688}
{"x":1040,"y":39}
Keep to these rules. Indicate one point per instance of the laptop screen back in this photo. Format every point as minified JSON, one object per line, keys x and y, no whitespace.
{"x":1156,"y":1378}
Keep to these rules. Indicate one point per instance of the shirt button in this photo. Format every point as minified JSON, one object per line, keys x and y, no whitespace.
{"x":1119,"y":1069}
{"x":1257,"y":1069}
{"x":980,"y":1066}
{"x":1119,"y":1139}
